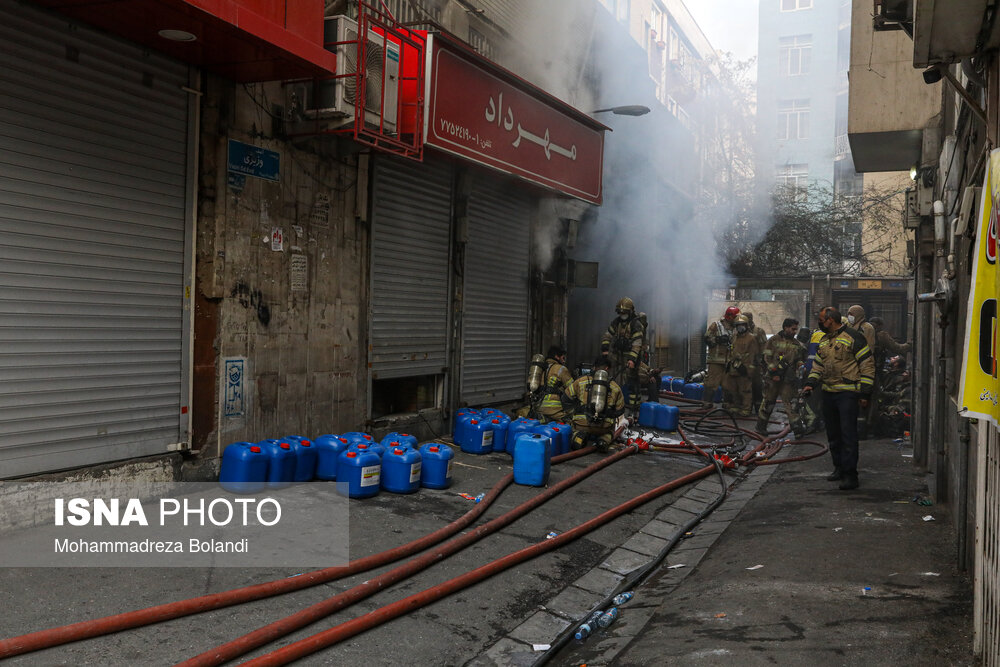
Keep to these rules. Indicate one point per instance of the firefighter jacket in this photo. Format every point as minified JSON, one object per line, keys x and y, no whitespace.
{"x":557,"y":378}
{"x":718,"y":337}
{"x":624,"y":339}
{"x":783,"y":356}
{"x":578,"y":395}
{"x":743,"y":355}
{"x":844,"y":362}
{"x":814,"y":340}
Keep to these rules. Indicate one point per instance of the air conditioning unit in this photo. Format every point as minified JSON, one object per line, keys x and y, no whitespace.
{"x":333,"y":100}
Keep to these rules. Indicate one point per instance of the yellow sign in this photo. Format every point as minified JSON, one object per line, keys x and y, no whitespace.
{"x":869,"y":284}
{"x":980,"y":389}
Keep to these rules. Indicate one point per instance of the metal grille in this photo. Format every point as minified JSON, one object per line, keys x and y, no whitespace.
{"x":495,"y":319}
{"x":93,"y":158}
{"x":411,"y":230}
{"x":987,"y":583}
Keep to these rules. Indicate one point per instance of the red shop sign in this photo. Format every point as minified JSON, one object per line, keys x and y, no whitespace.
{"x":494,"y":121}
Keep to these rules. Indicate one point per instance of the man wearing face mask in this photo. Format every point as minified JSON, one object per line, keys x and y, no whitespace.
{"x":845,"y":369}
{"x":622,"y":345}
{"x":783,"y":355}
{"x":743,"y":354}
{"x":594,"y":412}
{"x":717,"y":337}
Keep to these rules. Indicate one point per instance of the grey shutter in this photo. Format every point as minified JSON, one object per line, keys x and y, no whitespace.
{"x":92,"y":212}
{"x":411,"y":231}
{"x":495,"y":314}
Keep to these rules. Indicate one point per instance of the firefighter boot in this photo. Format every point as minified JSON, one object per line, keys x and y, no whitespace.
{"x":835,"y":476}
{"x":761,"y":426}
{"x":850,"y":481}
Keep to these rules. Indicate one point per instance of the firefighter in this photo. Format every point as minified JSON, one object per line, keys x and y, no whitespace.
{"x":885,"y":344}
{"x":741,"y":367}
{"x":622,"y":344}
{"x":554,"y":381}
{"x":597,"y":402}
{"x":718,"y":336}
{"x":856,"y":320}
{"x":783,"y":356}
{"x":845,"y":369}
{"x":757,"y":381}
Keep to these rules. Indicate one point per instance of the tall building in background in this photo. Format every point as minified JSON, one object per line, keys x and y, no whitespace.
{"x":803,"y":58}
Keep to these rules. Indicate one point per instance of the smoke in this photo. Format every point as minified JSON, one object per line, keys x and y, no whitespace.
{"x":645,"y":235}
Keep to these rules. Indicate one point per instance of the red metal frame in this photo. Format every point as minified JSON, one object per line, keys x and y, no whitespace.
{"x":408,"y":138}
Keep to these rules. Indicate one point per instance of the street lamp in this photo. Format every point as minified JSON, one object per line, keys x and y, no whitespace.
{"x":628,"y":110}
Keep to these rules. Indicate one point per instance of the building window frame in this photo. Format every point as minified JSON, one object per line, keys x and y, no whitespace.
{"x":794,"y":55}
{"x":794,"y":5}
{"x":793,"y":119}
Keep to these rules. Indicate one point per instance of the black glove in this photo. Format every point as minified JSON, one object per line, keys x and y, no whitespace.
{"x":722,"y":339}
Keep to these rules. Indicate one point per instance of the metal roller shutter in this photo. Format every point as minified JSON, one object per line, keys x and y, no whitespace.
{"x":495,"y":320}
{"x":411,"y":233}
{"x":93,"y":157}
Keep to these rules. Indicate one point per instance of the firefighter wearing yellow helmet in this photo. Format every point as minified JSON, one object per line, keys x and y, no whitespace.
{"x":622,"y":344}
{"x":741,"y":366}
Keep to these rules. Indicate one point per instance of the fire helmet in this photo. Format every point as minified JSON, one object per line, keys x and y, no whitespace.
{"x":732,"y":312}
{"x":742,"y":319}
{"x":625,"y":305}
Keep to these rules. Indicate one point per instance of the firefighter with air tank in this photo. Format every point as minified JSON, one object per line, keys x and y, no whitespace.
{"x":784,"y":355}
{"x":622,"y":346}
{"x":597,"y":403}
{"x":548,"y":379}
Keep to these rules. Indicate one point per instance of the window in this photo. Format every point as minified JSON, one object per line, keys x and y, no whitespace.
{"x":656,"y":22}
{"x":852,"y":240}
{"x":794,"y":54}
{"x":793,"y":176}
{"x":481,"y":44}
{"x":622,"y":8}
{"x":793,"y":119}
{"x":795,"y":5}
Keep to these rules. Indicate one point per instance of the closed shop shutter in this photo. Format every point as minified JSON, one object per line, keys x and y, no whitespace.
{"x":411,"y":233}
{"x":495,"y":315}
{"x":93,"y":156}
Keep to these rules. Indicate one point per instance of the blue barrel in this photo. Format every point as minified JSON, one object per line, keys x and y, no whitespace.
{"x":677,"y":385}
{"x":694,"y":390}
{"x":357,"y":437}
{"x":562,"y":443}
{"x":532,"y":452}
{"x":462,"y":417}
{"x":551,"y":433}
{"x":328,"y":449}
{"x":244,"y":468}
{"x":717,"y":398}
{"x":500,"y":423}
{"x":435,"y":465}
{"x":665,"y":381}
{"x":401,"y":470}
{"x":478,"y":438}
{"x":404,"y":439}
{"x":646,"y":411}
{"x":359,"y":473}
{"x":305,"y":458}
{"x":280,"y":463}
{"x":516,"y":428}
{"x":666,"y":417}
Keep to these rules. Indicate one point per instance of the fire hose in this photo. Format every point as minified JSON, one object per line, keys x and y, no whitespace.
{"x":56,"y":636}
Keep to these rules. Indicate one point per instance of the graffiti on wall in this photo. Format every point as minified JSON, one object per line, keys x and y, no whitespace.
{"x":251,"y":298}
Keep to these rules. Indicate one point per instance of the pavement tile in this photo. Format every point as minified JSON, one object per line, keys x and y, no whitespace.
{"x":676,"y":515}
{"x":706,"y":496}
{"x":624,"y":561}
{"x":505,"y":653}
{"x":660,"y":529}
{"x":690,"y":505}
{"x":573,"y":602}
{"x":599,"y":581}
{"x":541,"y":628}
{"x":645,"y":544}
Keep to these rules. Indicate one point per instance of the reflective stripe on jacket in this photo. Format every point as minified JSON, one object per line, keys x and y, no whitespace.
{"x":557,"y":378}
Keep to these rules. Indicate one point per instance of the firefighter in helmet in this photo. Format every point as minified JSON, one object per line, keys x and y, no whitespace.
{"x":548,"y":378}
{"x":718,"y":337}
{"x":622,"y":344}
{"x":783,"y":356}
{"x":596,"y":402}
{"x":741,"y":366}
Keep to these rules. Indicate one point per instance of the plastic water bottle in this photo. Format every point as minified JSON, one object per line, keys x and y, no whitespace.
{"x":622,"y":598}
{"x":587,"y":628}
{"x":608,"y":617}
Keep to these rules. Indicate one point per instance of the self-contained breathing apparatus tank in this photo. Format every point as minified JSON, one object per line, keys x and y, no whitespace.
{"x":536,"y":373}
{"x":597,"y":394}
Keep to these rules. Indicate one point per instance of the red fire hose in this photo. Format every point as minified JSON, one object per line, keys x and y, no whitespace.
{"x":64,"y":634}
{"x":338,"y":633}
{"x":311,"y":614}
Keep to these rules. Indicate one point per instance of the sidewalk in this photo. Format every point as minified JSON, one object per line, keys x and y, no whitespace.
{"x":805,"y":574}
